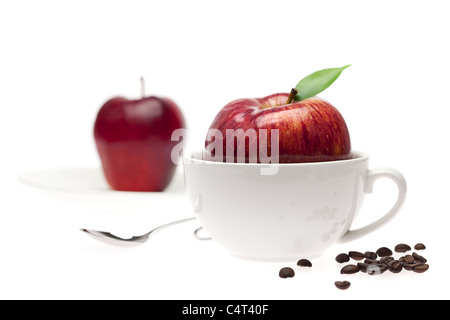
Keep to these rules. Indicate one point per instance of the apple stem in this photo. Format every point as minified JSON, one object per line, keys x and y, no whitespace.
{"x":142,"y":87}
{"x":292,"y":95}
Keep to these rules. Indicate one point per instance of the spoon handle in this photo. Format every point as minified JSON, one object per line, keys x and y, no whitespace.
{"x":168,"y":225}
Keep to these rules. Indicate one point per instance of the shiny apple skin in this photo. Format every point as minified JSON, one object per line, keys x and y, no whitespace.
{"x":133,"y":139}
{"x":311,"y":130}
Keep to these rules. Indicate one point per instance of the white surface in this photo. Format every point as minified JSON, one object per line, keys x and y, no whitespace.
{"x":59,"y":62}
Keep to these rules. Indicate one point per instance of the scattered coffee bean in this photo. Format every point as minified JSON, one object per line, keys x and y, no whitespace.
{"x":342,"y":285}
{"x":419,"y":258}
{"x":402,"y":248}
{"x":406,"y":266}
{"x":395,"y":266}
{"x":383,"y":268}
{"x":342,"y":258}
{"x":362,"y":267}
{"x":287,"y":273}
{"x":384,"y":252}
{"x":411,"y":266}
{"x":371,"y":265}
{"x":421,"y":269}
{"x":371,"y":255}
{"x":371,"y":261}
{"x":420,"y":246}
{"x":350,"y":269}
{"x":355,"y":255}
{"x":386,"y":259}
{"x":304,"y":263}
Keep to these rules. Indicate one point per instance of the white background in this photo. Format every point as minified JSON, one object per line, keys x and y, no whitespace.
{"x":60,"y":60}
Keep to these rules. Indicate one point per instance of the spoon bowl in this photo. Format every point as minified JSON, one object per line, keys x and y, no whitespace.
{"x":111,"y":239}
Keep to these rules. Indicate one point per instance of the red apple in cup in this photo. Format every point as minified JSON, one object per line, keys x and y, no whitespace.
{"x":310,"y":129}
{"x":133,"y":139}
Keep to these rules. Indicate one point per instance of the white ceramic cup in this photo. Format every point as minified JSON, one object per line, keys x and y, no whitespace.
{"x":298,"y":212}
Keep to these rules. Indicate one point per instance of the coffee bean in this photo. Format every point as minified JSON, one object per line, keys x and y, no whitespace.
{"x":420,"y":246}
{"x":342,"y":258}
{"x":363,"y":267}
{"x":371,"y":261}
{"x":391,"y":262}
{"x":287,"y":273}
{"x":374,"y":266}
{"x":386,"y":259}
{"x":355,"y":255}
{"x":384,"y":252}
{"x":421,"y":269}
{"x":411,"y":266}
{"x":342,"y":285}
{"x":371,"y":255}
{"x":350,"y":269}
{"x":383,"y":269}
{"x":419,"y":258}
{"x":402,"y":248}
{"x":407,"y":267}
{"x":304,"y":263}
{"x":395,"y":266}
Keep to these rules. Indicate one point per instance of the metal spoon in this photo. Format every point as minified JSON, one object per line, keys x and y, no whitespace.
{"x":111,"y":239}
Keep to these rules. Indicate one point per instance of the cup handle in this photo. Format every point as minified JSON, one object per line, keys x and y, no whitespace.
{"x":371,"y":177}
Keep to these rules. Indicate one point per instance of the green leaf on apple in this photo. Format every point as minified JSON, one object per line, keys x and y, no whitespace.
{"x":317,"y":82}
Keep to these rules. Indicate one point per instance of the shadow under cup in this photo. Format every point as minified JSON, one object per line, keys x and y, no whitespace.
{"x":298,"y":210}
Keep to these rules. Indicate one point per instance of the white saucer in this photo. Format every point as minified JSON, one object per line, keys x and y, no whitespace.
{"x":87,"y":186}
{"x":88,"y":180}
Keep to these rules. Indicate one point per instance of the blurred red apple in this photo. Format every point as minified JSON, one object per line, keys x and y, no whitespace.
{"x":133,"y":139}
